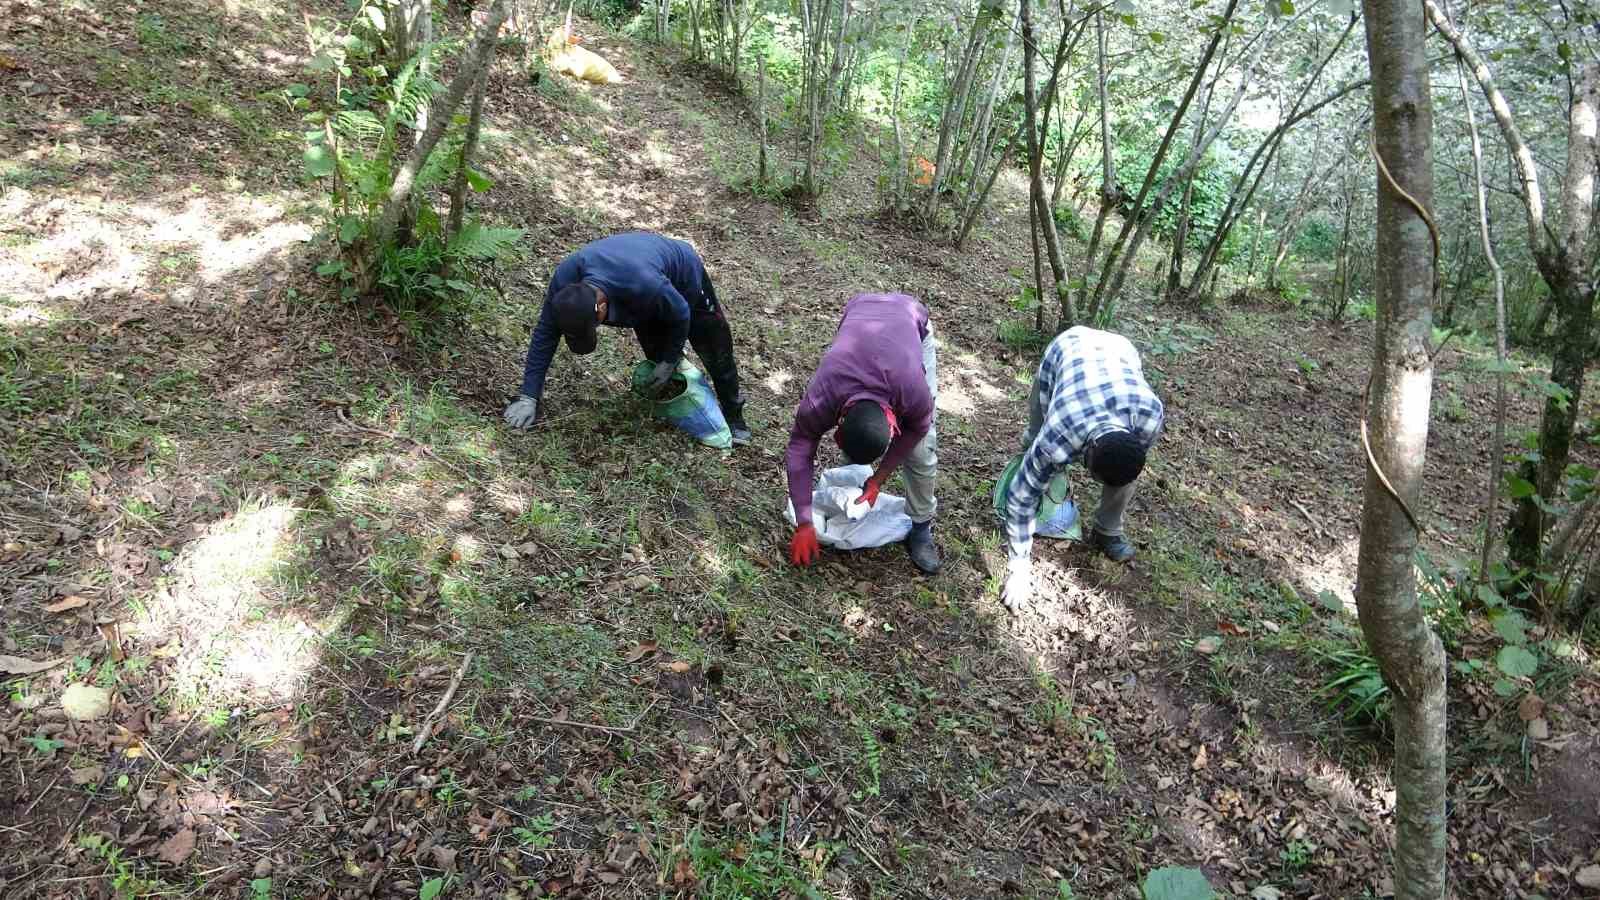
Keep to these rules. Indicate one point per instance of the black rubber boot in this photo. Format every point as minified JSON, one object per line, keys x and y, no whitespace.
{"x":1112,"y":545}
{"x":734,"y":413}
{"x":919,"y":545}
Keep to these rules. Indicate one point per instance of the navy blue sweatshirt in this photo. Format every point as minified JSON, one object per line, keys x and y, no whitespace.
{"x":644,"y":277}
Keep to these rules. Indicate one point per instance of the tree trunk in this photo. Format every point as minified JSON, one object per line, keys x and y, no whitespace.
{"x":1408,"y":652}
{"x":1563,"y":260}
{"x":955,"y":108}
{"x":458,"y":191}
{"x":971,"y":216}
{"x":474,"y":62}
{"x":1498,"y":443}
{"x":1265,"y":152}
{"x":1036,"y":195}
{"x":761,"y":117}
{"x":1109,"y":192}
{"x":1160,"y":157}
{"x":1180,"y":237}
{"x":1342,"y":266}
{"x":1078,"y":132}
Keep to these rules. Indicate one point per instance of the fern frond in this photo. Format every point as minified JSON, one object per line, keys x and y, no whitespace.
{"x":478,"y":242}
{"x":442,"y":163}
{"x":357,"y":125}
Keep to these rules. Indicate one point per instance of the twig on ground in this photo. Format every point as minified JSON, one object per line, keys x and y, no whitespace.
{"x":609,"y":729}
{"x":41,"y":795}
{"x":66,"y":836}
{"x":449,"y":694}
{"x":403,"y":438}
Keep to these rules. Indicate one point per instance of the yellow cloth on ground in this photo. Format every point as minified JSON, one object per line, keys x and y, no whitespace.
{"x":569,"y":59}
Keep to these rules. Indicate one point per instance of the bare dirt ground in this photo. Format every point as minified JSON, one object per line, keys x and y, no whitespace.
{"x":361,"y":641}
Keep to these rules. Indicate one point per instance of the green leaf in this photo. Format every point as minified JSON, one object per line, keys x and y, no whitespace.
{"x":1509,"y":624}
{"x":375,"y":17}
{"x":1330,"y":601}
{"x":478,"y":242}
{"x":461,"y":286}
{"x":319,"y":161}
{"x":1516,"y":662}
{"x":1157,"y":37}
{"x":1130,"y":20}
{"x":1495,"y":366}
{"x":1490,"y":597}
{"x":1285,"y":7}
{"x":331,"y":267}
{"x":430,"y":889}
{"x":350,"y":228}
{"x":1174,"y":883}
{"x":478,"y":181}
{"x":1564,"y":50}
{"x":1518,"y":487}
{"x":298,"y":90}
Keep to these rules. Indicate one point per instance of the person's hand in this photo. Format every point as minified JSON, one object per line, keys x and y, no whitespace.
{"x":522,"y":412}
{"x":1018,"y":590}
{"x":803,"y":547}
{"x":869,"y":491}
{"x":660,"y":375}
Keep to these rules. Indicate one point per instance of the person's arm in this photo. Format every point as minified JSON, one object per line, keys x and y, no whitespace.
{"x":811,"y":422}
{"x":1048,"y":454}
{"x":542,"y":345}
{"x":672,"y":311}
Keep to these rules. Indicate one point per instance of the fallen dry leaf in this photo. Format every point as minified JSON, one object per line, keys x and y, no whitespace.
{"x":1538,"y":729}
{"x":16,"y":665}
{"x":644,"y":648}
{"x":677,"y":666}
{"x":1588,"y":876}
{"x":683,"y":872}
{"x":1531,"y":707}
{"x":1201,"y":759}
{"x":178,"y":848}
{"x":71,"y":601}
{"x":1208,"y":646}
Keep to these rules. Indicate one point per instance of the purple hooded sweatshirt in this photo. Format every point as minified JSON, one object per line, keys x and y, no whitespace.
{"x":876,"y":356}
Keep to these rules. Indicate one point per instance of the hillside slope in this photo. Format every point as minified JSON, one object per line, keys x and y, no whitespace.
{"x":274,"y":526}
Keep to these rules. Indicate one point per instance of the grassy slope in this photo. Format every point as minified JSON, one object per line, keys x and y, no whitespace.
{"x":302,"y":522}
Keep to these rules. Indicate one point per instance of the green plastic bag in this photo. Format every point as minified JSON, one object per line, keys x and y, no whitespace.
{"x":1057,"y":516}
{"x":687,"y":402}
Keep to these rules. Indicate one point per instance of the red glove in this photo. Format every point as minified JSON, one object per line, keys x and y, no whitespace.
{"x":869,"y":491}
{"x":803,"y":547}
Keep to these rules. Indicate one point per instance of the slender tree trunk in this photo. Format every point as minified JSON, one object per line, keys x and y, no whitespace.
{"x":1078,"y":132}
{"x":955,"y":108}
{"x":1491,"y":500}
{"x":976,"y":209}
{"x":1297,"y":211}
{"x":1098,"y":298}
{"x":1180,"y":237}
{"x":1038,"y":265}
{"x":897,"y":179}
{"x":1109,"y":192}
{"x":1408,"y":652}
{"x":474,"y":62}
{"x":1342,"y":300}
{"x":458,"y":191}
{"x":1563,"y":259}
{"x":761,"y":117}
{"x":1036,"y":195}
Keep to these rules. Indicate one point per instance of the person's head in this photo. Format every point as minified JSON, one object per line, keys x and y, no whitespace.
{"x":1115,"y":458}
{"x":577,"y":312}
{"x":864,"y":432}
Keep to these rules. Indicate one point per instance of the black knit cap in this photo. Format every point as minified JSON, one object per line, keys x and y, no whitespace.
{"x":574,"y":307}
{"x":864,"y":433}
{"x":1116,"y":459}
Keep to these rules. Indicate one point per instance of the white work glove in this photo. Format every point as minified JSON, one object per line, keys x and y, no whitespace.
{"x":1018,"y":590}
{"x":522,"y":412}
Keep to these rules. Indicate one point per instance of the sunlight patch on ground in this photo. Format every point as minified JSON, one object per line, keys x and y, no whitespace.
{"x":86,"y":246}
{"x":777,"y":380}
{"x":509,"y":496}
{"x":1334,"y":572}
{"x":231,"y":641}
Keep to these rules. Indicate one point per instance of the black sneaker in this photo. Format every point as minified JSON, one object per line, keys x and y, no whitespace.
{"x":1113,"y":546}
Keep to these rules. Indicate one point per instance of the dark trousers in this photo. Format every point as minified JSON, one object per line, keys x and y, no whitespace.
{"x":710,"y":337}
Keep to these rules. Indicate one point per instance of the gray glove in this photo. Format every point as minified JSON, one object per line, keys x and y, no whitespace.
{"x":522,"y":412}
{"x":1018,"y":590}
{"x":661,"y":375}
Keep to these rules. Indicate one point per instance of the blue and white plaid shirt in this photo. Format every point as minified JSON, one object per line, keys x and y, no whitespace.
{"x":1090,"y":383}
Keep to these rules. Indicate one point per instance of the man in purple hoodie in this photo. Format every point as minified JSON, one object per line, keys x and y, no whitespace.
{"x":876,"y":385}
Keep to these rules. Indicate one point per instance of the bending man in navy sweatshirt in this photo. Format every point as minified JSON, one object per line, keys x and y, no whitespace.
{"x":653,"y":284}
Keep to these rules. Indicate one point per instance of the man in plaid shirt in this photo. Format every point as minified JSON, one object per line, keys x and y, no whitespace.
{"x":1090,"y":403}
